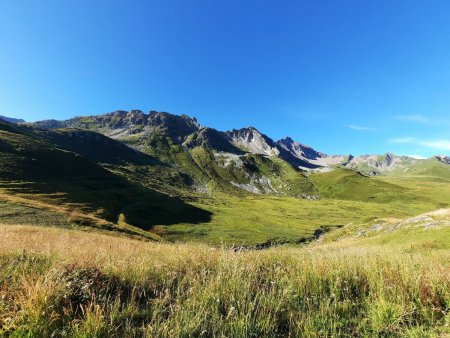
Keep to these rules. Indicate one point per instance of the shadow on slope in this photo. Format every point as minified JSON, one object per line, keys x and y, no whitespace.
{"x":33,"y":168}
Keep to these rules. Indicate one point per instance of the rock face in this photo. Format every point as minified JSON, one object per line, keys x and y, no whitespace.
{"x":209,"y":159}
{"x":444,"y":159}
{"x":253,"y":141}
{"x":122,"y":124}
{"x":11,"y":119}
{"x":309,"y":155}
{"x":212,"y":139}
{"x":159,"y":132}
{"x":299,"y":150}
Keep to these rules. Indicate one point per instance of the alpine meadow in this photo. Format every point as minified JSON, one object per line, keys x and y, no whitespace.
{"x":145,"y":223}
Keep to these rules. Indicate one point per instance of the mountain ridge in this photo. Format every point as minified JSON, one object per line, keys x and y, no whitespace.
{"x":186,"y":131}
{"x":172,"y":165}
{"x":11,"y":119}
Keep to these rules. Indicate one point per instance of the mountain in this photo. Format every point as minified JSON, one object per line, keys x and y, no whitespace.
{"x":444,"y":159}
{"x":62,"y":171}
{"x":166,"y":176}
{"x":243,"y":159}
{"x":251,"y":140}
{"x":348,"y":184}
{"x":235,"y":161}
{"x":212,"y":139}
{"x":309,"y":155}
{"x":122,"y":125}
{"x":381,"y":164}
{"x":11,"y":119}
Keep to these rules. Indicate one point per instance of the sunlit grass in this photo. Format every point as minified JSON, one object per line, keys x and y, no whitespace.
{"x":68,"y":282}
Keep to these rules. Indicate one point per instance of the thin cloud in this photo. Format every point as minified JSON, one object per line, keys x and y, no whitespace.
{"x":417,"y":157}
{"x":414,"y":118}
{"x":434,"y":144}
{"x":407,"y":139}
{"x":358,"y":127}
{"x":438,"y":144}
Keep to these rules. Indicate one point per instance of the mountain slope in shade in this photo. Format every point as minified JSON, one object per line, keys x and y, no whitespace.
{"x":212,"y":139}
{"x":11,"y":119}
{"x":42,"y":168}
{"x":309,"y":155}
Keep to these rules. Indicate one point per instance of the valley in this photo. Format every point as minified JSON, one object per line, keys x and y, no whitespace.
{"x":150,"y":225}
{"x":166,"y":177}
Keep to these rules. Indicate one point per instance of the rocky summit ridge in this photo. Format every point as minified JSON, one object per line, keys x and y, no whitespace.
{"x":135,"y":126}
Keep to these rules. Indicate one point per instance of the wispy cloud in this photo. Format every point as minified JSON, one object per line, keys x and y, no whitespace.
{"x":438,"y":144}
{"x":358,"y":127}
{"x":418,"y":157}
{"x":414,"y":118}
{"x":406,"y":139}
{"x":434,"y":144}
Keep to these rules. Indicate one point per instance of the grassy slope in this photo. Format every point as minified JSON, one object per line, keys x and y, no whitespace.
{"x":351,"y":185}
{"x":94,"y":195}
{"x":35,"y":174}
{"x":358,"y":281}
{"x":65,"y":282}
{"x":258,"y":219}
{"x":430,"y":169}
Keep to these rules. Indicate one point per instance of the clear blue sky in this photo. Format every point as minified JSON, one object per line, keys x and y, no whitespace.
{"x":350,"y":76}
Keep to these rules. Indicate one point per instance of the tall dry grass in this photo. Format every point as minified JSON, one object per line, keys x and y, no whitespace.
{"x":60,"y":282}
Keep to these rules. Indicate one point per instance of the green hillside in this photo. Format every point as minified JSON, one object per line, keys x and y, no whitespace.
{"x":33,"y":172}
{"x":196,"y":193}
{"x":432,"y":169}
{"x":352,"y":185}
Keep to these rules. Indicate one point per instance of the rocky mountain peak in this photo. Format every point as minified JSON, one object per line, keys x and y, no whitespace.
{"x":170,"y":120}
{"x":444,"y":159}
{"x":389,"y":158}
{"x":287,"y":140}
{"x":299,"y":150}
{"x":251,"y":139}
{"x":212,"y":139}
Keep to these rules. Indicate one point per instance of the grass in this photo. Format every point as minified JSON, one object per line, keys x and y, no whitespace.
{"x":258,"y":219}
{"x":60,"y":282}
{"x":130,"y":191}
{"x":37,"y":174}
{"x":246,"y":220}
{"x":374,"y":274}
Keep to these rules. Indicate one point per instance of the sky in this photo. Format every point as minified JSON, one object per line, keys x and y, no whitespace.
{"x":354,"y":76}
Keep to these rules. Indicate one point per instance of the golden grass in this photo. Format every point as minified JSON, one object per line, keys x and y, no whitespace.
{"x":71,"y":212}
{"x":76,"y":283}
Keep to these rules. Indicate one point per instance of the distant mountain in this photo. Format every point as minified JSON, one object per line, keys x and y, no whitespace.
{"x":299,"y":150}
{"x":310,"y":155}
{"x":135,"y":171}
{"x":11,"y":119}
{"x":233,"y":161}
{"x":381,"y":164}
{"x":240,"y":158}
